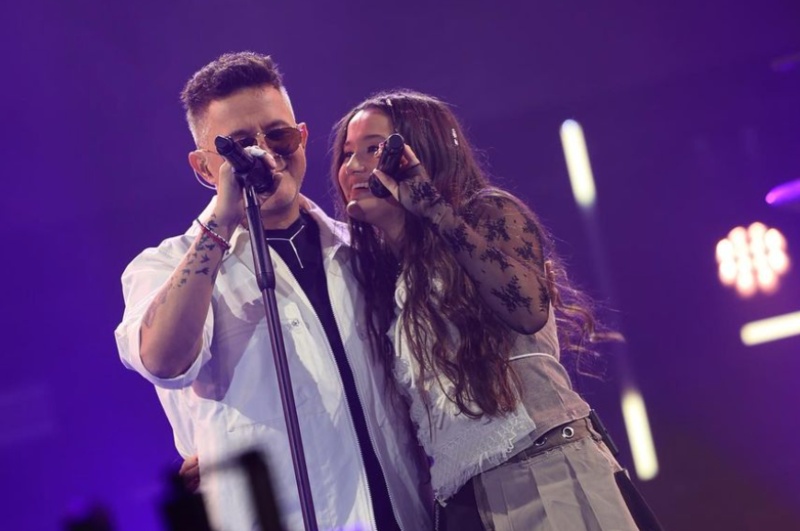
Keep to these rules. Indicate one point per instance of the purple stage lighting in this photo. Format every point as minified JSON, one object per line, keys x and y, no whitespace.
{"x":786,"y":194}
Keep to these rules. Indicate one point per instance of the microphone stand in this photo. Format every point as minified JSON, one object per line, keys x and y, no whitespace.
{"x":265,"y":275}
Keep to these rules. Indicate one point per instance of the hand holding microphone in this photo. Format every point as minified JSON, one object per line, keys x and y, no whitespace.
{"x":249,"y":170}
{"x":389,"y":163}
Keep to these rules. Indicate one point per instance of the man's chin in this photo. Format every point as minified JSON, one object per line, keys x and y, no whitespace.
{"x":273,"y":195}
{"x":279,"y":205}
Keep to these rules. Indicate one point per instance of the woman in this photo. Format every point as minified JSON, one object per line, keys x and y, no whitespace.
{"x":454,"y":271}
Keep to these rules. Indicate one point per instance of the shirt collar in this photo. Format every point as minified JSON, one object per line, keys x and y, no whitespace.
{"x":334,"y":235}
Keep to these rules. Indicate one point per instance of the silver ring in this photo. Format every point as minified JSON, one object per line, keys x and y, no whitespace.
{"x":568,"y":432}
{"x":540,"y":442}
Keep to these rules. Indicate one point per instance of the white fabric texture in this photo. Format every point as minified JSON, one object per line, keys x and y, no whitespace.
{"x":459,"y":447}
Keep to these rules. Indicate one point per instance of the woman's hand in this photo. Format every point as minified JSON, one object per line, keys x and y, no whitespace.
{"x":412,"y":187}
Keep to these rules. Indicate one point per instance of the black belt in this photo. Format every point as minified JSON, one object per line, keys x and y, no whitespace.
{"x":565,"y":433}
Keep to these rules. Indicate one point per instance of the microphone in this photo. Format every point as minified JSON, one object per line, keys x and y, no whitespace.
{"x":249,"y":170}
{"x":389,"y":163}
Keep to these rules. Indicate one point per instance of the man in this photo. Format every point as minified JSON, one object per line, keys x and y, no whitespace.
{"x":195,"y":326}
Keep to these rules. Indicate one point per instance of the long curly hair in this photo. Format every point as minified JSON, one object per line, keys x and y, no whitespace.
{"x":475,"y":357}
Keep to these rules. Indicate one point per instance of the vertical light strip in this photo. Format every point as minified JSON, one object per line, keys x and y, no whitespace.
{"x":583,"y":189}
{"x":639,"y":436}
{"x":771,"y":329}
{"x":578,"y":166}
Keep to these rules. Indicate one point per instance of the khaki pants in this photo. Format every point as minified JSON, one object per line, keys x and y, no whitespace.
{"x":567,"y":488}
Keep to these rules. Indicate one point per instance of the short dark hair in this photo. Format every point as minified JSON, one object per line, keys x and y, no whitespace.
{"x":224,"y":76}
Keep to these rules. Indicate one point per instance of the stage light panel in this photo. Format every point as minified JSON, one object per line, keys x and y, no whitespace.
{"x":752,"y":259}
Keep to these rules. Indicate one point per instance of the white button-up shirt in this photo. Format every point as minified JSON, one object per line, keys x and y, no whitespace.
{"x":229,"y":401}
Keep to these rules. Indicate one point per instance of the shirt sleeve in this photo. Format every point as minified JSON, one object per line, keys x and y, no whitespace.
{"x":141,"y":282}
{"x":498,"y":243}
{"x":172,"y":400}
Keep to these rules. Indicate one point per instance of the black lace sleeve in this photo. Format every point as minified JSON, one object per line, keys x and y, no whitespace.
{"x":498,"y":245}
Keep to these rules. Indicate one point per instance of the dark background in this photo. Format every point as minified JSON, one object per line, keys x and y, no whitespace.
{"x":688,"y":120}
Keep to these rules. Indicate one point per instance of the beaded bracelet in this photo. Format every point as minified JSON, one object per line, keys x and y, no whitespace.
{"x":214,"y":236}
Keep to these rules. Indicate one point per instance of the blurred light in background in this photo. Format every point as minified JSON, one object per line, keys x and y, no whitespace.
{"x":771,"y":329}
{"x":784,"y":194}
{"x":752,"y":259}
{"x":633,"y":409}
{"x":641,"y":440}
{"x":786,"y":63}
{"x":578,"y":166}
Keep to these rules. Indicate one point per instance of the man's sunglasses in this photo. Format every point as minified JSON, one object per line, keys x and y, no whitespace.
{"x":282,"y":141}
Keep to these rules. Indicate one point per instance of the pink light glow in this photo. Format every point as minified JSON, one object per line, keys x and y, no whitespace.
{"x":785,"y":193}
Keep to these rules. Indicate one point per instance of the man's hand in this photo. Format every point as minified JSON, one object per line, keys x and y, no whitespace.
{"x":190,"y":473}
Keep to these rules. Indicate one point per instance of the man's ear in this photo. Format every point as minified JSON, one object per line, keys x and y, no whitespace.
{"x":199,"y":163}
{"x":303,"y":134}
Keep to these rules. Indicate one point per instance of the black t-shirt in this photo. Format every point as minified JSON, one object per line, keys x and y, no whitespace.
{"x":299,"y":246}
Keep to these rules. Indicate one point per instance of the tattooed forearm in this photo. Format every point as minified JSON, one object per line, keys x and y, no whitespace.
{"x":150,"y":314}
{"x":206,"y":242}
{"x":183,"y":274}
{"x":171,"y":334}
{"x":200,"y":256}
{"x":215,"y":272}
